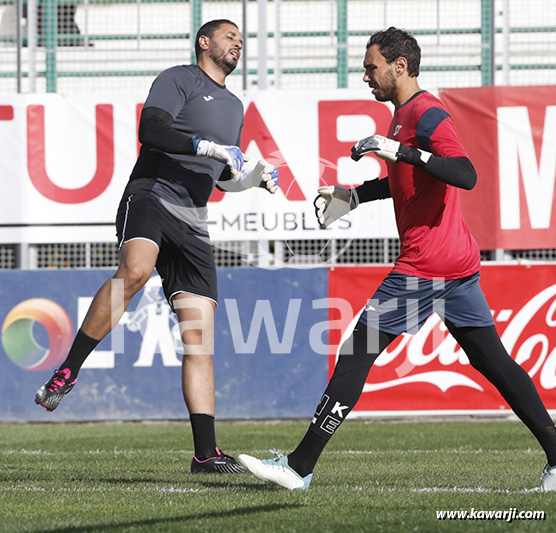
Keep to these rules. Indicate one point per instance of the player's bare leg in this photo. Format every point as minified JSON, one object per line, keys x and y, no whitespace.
{"x":137,"y":262}
{"x":196,"y":318}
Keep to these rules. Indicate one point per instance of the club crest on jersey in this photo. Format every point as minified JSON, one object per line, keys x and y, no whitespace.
{"x":208,"y":98}
{"x":397,"y":130}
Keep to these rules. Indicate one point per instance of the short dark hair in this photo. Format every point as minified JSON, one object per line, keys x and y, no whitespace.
{"x":394,"y":43}
{"x":208,"y":29}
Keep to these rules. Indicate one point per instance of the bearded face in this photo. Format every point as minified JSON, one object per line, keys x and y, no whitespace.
{"x":380,"y":75}
{"x":225,"y":48}
{"x":385,"y":89}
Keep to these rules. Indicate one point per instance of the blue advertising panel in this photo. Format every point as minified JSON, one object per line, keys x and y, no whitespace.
{"x":270,"y":347}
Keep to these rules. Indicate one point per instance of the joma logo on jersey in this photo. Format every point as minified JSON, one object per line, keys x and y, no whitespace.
{"x":397,"y":130}
{"x":208,"y":98}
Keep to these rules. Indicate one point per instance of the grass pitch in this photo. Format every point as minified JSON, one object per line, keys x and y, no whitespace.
{"x":374,"y":476}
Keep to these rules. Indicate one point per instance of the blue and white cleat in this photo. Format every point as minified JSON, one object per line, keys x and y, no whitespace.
{"x":548,"y":480}
{"x":276,"y":471}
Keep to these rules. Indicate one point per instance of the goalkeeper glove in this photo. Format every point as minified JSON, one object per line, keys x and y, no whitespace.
{"x":332,"y":203}
{"x":229,"y":155}
{"x":264,"y":175}
{"x":389,"y":150}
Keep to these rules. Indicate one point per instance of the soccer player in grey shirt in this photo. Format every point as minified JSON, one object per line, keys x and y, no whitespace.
{"x":190,"y":130}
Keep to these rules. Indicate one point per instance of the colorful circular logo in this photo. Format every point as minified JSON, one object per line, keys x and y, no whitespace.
{"x":19,"y":339}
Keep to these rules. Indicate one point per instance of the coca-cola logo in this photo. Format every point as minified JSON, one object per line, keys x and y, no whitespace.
{"x":412,"y":355}
{"x":523,"y":349}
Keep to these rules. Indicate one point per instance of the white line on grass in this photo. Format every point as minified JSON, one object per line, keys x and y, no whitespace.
{"x":232,"y":488}
{"x":23,"y":451}
{"x":482,"y":490}
{"x":97,"y":452}
{"x":161,"y":490}
{"x":454,"y":451}
{"x":262,"y":452}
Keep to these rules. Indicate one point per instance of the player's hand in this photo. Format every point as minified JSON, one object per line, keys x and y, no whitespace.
{"x":332,"y":203}
{"x":229,"y":155}
{"x":382,"y":147}
{"x":264,"y":175}
{"x":267,"y":175}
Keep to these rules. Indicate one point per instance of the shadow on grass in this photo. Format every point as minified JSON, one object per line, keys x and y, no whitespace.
{"x":247,"y":484}
{"x":243,"y":481}
{"x":240,"y":511}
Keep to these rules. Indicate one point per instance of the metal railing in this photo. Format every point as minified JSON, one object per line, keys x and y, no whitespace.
{"x":84,"y":39}
{"x":47,"y":47}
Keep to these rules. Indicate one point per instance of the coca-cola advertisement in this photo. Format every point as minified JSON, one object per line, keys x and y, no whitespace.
{"x":429,"y":372}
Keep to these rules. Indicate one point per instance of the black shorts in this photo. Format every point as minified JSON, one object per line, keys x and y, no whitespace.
{"x":152,"y":209}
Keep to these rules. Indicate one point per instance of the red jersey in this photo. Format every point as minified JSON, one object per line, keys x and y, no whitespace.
{"x":435,"y":240}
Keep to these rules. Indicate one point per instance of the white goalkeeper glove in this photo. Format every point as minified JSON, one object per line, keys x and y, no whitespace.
{"x":389,"y":150}
{"x":332,"y":203}
{"x":229,"y":155}
{"x":264,"y":175}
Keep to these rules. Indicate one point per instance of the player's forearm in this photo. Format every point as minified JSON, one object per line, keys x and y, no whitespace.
{"x":373,"y":190}
{"x":456,"y":171}
{"x":156,"y":131}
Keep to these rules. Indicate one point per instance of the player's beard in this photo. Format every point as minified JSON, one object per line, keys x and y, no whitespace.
{"x":222,"y":58}
{"x":387,"y":90}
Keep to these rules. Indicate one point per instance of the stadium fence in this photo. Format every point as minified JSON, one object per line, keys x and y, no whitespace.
{"x":73,"y":47}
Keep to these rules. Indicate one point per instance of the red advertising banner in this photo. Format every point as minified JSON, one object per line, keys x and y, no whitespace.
{"x":429,"y":371}
{"x":510,"y":135}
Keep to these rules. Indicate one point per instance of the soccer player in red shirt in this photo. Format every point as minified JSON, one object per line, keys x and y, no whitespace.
{"x":439,"y":262}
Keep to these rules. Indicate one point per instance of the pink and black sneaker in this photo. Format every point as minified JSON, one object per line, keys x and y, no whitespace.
{"x":219,"y":464}
{"x":51,"y":393}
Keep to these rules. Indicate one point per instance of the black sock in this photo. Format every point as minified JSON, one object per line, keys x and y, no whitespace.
{"x":357,"y":355}
{"x":81,"y":348}
{"x":547,"y":439}
{"x":204,"y":438}
{"x":304,"y":458}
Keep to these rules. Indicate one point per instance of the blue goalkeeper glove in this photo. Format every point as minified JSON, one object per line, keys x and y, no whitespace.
{"x":264,"y":175}
{"x":229,"y":155}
